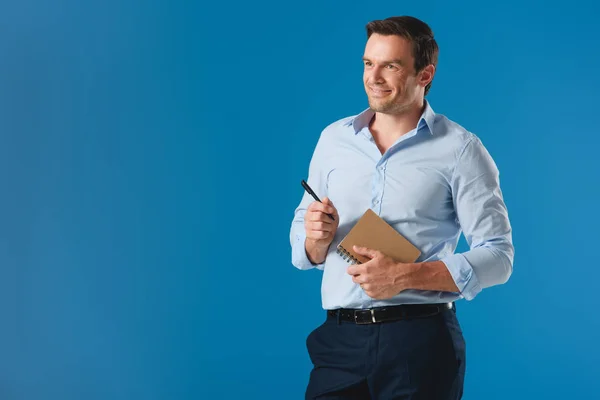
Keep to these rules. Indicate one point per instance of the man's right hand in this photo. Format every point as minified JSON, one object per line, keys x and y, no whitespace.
{"x":320,"y":229}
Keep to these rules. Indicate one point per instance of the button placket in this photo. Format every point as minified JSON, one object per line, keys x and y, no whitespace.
{"x":379,"y":185}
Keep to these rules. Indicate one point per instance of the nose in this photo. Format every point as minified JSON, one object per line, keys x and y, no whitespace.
{"x":376,"y":75}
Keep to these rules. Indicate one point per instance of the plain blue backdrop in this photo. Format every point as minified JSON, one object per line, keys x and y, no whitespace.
{"x":151,"y":154}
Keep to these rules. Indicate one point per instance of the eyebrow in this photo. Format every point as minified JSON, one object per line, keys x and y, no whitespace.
{"x":396,"y":61}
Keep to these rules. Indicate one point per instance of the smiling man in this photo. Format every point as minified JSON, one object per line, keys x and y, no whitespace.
{"x":391,"y":330}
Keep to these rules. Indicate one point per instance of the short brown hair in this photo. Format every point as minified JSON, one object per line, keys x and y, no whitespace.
{"x":418,"y":33}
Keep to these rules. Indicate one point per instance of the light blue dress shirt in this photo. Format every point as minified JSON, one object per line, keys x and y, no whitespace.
{"x":432,"y":183}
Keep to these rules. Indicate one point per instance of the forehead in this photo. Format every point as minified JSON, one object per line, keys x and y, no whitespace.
{"x":388,"y":47}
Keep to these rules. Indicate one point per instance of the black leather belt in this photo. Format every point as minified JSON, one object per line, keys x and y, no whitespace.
{"x":389,"y":313}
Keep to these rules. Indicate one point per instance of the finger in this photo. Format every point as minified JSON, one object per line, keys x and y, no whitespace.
{"x":317,"y":235}
{"x":317,"y":216}
{"x":327,"y":201}
{"x":352,"y":270}
{"x":363,"y":251}
{"x":356,"y":269}
{"x":321,"y":207}
{"x":373,"y":294}
{"x":319,"y":226}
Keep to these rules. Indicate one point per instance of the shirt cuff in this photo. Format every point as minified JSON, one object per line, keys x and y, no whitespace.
{"x":463,"y":276}
{"x":299,"y":257}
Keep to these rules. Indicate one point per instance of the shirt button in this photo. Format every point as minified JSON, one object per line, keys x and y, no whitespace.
{"x":376,"y":201}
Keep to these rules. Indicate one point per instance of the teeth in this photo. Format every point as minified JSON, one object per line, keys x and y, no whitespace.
{"x":378,"y":91}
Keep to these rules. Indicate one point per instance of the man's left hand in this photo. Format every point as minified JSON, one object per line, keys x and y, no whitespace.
{"x":381,"y":277}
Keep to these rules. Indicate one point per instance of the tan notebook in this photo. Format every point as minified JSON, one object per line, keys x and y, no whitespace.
{"x":373,"y":232}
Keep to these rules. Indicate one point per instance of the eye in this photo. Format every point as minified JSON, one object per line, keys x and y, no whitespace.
{"x":368,"y":63}
{"x":390,"y":66}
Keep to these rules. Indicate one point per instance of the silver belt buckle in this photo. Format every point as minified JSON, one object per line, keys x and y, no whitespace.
{"x":374,"y":321}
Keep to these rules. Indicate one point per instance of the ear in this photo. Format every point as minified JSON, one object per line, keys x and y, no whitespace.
{"x":426,"y":75}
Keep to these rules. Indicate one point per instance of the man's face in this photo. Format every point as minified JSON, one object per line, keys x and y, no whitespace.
{"x":390,"y":79}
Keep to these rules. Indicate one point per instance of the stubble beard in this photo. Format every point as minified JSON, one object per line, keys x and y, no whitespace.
{"x":391,"y":106}
{"x":396,"y":105}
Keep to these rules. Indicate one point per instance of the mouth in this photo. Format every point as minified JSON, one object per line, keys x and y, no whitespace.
{"x":379,"y":92}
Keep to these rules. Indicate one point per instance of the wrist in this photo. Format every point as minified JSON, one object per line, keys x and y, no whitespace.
{"x":405,"y":273}
{"x":316,"y":250}
{"x":427,"y":275}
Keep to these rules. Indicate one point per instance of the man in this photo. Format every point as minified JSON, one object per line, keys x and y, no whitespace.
{"x":391,"y":330}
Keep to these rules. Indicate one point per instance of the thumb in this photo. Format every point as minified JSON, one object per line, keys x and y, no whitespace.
{"x":327,"y":201}
{"x":364,"y":251}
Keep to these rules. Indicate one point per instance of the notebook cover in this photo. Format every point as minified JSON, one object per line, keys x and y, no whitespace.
{"x":373,"y":232}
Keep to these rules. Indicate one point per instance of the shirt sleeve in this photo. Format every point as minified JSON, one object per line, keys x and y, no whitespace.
{"x":483,"y":218}
{"x":318,"y":182}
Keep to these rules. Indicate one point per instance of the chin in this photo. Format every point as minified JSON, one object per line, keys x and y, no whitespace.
{"x":380,"y":106}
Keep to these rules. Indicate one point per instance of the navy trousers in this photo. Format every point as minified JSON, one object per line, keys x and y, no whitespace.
{"x":419,"y":358}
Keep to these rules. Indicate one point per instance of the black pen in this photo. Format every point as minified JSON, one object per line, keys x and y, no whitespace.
{"x":310,"y":191}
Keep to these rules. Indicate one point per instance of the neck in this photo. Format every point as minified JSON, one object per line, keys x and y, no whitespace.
{"x":391,"y":126}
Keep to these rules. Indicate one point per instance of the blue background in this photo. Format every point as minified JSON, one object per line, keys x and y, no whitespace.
{"x":150,"y":160}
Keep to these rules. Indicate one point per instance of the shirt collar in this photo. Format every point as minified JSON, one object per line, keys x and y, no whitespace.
{"x":363,"y":119}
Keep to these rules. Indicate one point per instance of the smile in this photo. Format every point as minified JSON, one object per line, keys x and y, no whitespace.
{"x":379,"y":92}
